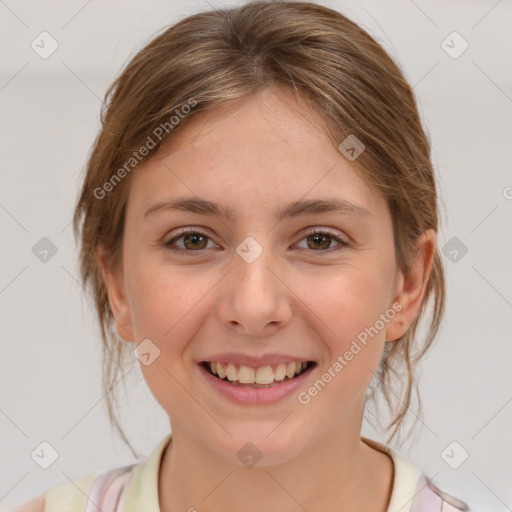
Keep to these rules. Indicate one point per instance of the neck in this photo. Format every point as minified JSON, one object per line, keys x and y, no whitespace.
{"x":341,"y":472}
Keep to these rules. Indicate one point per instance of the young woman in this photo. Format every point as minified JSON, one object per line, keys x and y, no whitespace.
{"x":258,"y":225}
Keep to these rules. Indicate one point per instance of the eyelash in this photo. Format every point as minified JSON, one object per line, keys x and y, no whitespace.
{"x":169,"y":243}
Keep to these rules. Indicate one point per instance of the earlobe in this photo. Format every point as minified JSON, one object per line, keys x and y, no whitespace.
{"x":119,"y":306}
{"x":410,"y":289}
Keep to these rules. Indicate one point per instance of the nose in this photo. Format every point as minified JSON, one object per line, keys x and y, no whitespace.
{"x":255,"y":299}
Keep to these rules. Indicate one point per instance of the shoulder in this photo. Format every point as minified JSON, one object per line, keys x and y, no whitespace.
{"x":34,"y":505}
{"x":105,"y":490}
{"x":430,"y":495}
{"x":412,"y":491}
{"x":70,"y":495}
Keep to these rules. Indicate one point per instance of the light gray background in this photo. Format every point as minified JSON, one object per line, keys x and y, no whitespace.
{"x":50,"y":359}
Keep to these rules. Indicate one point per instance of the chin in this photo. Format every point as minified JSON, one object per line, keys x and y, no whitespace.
{"x":255,"y":448}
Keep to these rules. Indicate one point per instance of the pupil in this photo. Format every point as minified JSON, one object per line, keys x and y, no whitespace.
{"x":193,"y":237}
{"x":318,"y":239}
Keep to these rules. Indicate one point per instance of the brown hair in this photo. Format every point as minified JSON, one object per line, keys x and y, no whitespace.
{"x":230,"y":54}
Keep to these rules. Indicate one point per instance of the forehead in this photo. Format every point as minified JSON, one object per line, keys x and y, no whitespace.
{"x":252,"y":155}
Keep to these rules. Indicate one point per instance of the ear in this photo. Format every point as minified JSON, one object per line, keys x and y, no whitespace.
{"x":114,"y":282}
{"x":410,"y":289}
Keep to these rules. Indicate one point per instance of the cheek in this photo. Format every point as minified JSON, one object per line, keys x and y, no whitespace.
{"x":348,"y":314}
{"x":346,"y":300}
{"x":164,"y":299}
{"x":348,"y":308}
{"x":166,"y":313}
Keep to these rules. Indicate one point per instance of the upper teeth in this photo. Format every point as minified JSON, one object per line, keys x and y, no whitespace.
{"x":262,"y":375}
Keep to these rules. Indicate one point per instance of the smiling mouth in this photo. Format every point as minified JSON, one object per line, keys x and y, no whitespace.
{"x":263,"y":377}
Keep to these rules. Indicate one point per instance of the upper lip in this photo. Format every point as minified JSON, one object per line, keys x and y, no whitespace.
{"x":254,"y":361}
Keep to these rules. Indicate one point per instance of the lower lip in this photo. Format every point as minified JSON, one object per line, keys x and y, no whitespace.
{"x":246,"y":395}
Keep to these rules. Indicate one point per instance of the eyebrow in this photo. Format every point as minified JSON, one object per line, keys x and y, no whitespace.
{"x":295,"y":209}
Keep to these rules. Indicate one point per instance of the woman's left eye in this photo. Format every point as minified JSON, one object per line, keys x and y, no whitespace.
{"x":193,"y":239}
{"x":323,"y":239}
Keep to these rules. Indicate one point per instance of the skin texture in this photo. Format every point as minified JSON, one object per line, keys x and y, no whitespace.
{"x":34,"y":505}
{"x":256,"y":156}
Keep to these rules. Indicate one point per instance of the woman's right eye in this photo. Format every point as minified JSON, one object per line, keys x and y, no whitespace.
{"x":193,"y":241}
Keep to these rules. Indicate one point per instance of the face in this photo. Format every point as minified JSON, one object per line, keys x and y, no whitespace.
{"x":256,"y":290}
